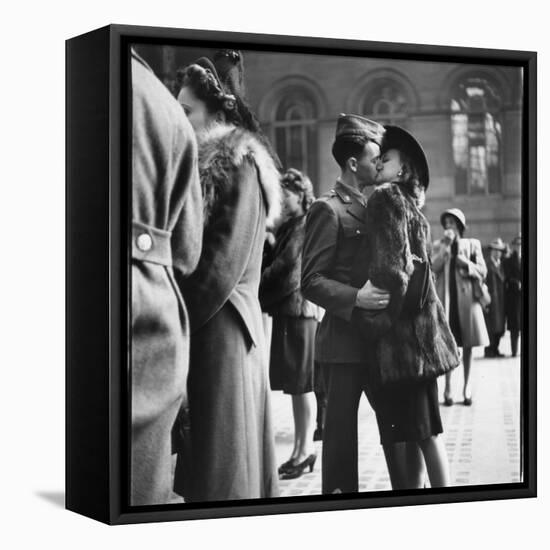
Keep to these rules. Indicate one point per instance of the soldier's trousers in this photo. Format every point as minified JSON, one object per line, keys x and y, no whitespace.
{"x":345,"y":384}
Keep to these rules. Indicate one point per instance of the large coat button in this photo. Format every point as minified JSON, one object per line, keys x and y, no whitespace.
{"x":144,"y":242}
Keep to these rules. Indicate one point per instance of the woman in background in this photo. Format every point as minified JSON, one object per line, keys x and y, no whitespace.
{"x":294,"y":322}
{"x":458,"y":263}
{"x":232,"y":451}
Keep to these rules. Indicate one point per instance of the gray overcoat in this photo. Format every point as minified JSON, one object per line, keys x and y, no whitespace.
{"x":470,"y":312}
{"x":165,"y":243}
{"x":232,"y":449}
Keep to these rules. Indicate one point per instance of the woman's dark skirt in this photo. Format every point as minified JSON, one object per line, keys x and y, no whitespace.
{"x":408,"y":411}
{"x":291,"y":365}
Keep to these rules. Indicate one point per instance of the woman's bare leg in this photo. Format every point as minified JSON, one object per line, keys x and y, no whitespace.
{"x":416,"y":470}
{"x":305,"y":412}
{"x":467,"y":362}
{"x":437,"y":463}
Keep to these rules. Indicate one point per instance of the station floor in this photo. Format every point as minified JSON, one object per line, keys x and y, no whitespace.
{"x":482,"y":441}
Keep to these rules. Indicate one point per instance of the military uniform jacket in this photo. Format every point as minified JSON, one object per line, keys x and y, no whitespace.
{"x":335,"y":225}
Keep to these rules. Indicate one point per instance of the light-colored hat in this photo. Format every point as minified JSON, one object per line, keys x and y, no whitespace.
{"x":497,"y":244}
{"x":457,"y":214}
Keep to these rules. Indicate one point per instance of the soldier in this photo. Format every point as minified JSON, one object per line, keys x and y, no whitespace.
{"x":166,"y":245}
{"x":334,"y":229}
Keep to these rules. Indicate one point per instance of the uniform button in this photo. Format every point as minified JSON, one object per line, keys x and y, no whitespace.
{"x":144,"y":242}
{"x":346,"y":197}
{"x":358,"y":231}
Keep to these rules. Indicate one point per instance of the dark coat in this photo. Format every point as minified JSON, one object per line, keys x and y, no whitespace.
{"x":232,"y":441}
{"x":495,"y":315}
{"x":403,"y":347}
{"x":513,"y":291}
{"x":166,"y":242}
{"x":472,"y":322}
{"x":334,"y":227}
{"x":280,"y":291}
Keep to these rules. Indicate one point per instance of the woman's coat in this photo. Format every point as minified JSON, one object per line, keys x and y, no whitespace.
{"x":165,"y":244}
{"x":280,"y":291}
{"x":232,"y":452}
{"x":470,"y":312}
{"x":404,"y":347}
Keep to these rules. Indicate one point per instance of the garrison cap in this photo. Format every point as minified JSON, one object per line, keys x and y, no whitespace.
{"x":358,"y":126}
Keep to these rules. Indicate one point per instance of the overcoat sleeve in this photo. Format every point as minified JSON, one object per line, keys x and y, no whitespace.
{"x":226,"y":248}
{"x":391,"y":262}
{"x":187,"y":232}
{"x":282,"y":276}
{"x":477,"y":269}
{"x":439,"y":256}
{"x":319,"y":252}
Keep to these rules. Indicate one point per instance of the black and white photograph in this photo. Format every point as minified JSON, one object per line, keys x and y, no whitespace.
{"x":275,"y":275}
{"x":326,"y":275}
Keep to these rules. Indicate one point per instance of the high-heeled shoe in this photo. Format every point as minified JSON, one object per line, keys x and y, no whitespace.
{"x":448,"y":401}
{"x":286,"y":466}
{"x":298,"y":469}
{"x":468,"y":401}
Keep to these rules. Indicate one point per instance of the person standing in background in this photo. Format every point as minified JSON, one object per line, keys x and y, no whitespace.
{"x":457,"y":263}
{"x":513,"y":293}
{"x":494,"y":313}
{"x":166,"y":244}
{"x":295,"y":321}
{"x":233,"y":445}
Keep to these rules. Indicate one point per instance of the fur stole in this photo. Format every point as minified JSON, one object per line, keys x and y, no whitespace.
{"x":222,"y":150}
{"x":406,"y":349}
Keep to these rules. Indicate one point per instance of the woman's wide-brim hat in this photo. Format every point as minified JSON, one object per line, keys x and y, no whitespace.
{"x":398,"y":138}
{"x":497,"y":244}
{"x":457,"y":214}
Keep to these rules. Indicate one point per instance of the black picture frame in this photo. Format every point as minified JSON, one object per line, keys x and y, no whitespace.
{"x":97,"y":262}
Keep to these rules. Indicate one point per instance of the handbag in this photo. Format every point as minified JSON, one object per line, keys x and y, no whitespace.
{"x":417,"y":289}
{"x":376,"y":323}
{"x":481,"y":292}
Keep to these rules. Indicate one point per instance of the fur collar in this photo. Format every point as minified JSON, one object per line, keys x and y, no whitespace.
{"x":226,"y":146}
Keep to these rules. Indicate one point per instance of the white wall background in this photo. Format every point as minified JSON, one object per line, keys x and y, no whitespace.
{"x":32,"y":275}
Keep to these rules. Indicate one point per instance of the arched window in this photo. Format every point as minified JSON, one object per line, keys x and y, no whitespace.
{"x":295,"y":131}
{"x":387,"y":102}
{"x":476,"y":136}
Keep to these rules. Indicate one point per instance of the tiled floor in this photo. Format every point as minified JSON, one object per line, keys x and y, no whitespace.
{"x":482,"y":441}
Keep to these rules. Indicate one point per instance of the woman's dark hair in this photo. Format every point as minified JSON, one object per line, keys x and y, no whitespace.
{"x":206,"y":86}
{"x":346,"y":147}
{"x":459,"y":225}
{"x":409,"y":180}
{"x":295,"y":181}
{"x":221,"y":86}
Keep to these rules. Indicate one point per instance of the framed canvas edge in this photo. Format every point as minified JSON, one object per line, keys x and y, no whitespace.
{"x":120,"y":37}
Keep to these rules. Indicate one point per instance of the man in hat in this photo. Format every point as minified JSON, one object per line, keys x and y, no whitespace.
{"x":494,"y":314}
{"x":513,"y":293}
{"x":334,"y":230}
